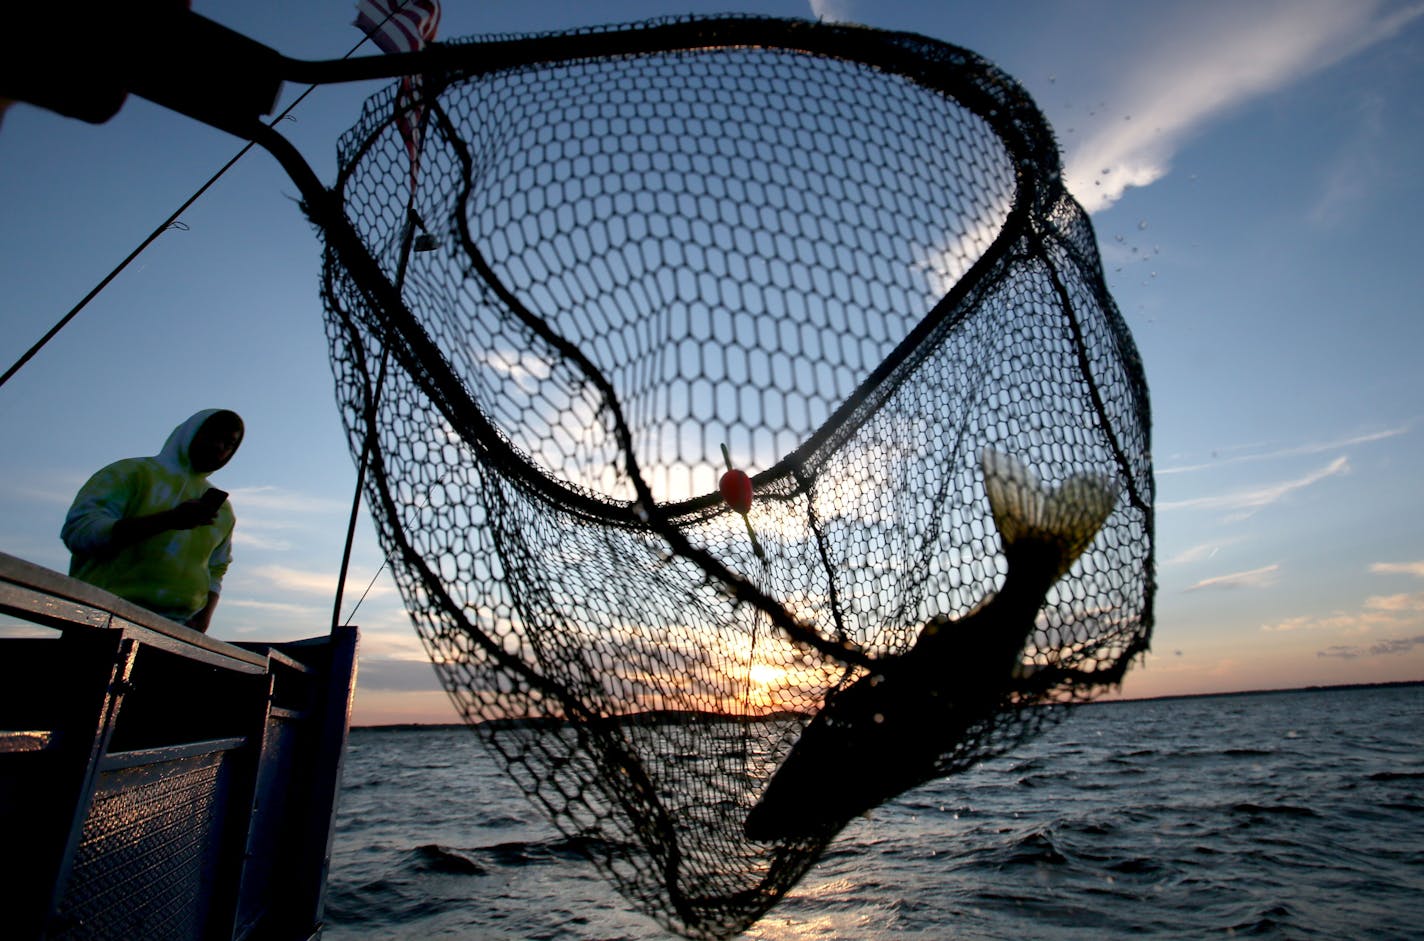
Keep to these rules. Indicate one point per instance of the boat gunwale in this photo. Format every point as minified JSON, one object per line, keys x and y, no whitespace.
{"x":47,"y":598}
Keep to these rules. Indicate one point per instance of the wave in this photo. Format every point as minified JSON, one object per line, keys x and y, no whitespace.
{"x":480,"y":860}
{"x":435,"y":858}
{"x":383,"y":903}
{"x":1035,"y":849}
{"x":1136,"y":866}
{"x":540,"y":852}
{"x":1273,"y":922}
{"x":1287,"y":810}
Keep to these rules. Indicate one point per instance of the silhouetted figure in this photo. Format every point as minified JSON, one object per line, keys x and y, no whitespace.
{"x":152,"y":530}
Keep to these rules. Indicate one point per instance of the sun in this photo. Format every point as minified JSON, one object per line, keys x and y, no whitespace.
{"x":765,"y":674}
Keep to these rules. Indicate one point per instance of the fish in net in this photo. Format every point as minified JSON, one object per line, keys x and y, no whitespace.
{"x":838,"y":260}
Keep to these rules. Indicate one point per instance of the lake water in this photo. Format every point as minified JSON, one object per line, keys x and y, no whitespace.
{"x":1271,"y":815}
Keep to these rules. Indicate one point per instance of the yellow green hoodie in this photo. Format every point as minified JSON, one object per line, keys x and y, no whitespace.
{"x":172,"y":572}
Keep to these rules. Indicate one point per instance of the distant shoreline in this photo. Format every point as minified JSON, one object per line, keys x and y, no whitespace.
{"x":432,"y":726}
{"x":1259,"y":692}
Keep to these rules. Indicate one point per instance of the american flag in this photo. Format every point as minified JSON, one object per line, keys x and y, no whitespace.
{"x":403,"y":26}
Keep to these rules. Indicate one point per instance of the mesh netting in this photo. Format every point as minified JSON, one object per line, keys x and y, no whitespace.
{"x":847,"y":255}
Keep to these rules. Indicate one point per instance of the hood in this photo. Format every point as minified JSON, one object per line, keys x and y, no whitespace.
{"x":175,"y":450}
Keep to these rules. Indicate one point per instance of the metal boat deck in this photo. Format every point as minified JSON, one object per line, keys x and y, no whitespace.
{"x":158,"y":783}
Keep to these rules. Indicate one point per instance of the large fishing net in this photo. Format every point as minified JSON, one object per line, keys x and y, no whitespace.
{"x":845,"y":255}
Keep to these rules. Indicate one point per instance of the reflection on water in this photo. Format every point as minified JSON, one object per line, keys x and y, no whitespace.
{"x":1286,"y":815}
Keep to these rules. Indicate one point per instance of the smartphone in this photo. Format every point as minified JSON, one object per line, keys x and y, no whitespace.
{"x":214,"y":498}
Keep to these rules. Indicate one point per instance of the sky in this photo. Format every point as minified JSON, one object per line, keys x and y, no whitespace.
{"x":1251,"y":169}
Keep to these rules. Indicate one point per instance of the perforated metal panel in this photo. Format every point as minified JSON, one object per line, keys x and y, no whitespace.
{"x":145,"y":864}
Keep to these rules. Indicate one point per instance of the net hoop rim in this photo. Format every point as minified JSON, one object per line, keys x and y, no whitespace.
{"x":966,"y":78}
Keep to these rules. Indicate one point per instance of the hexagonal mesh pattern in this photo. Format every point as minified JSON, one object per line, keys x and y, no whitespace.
{"x":847,"y":256}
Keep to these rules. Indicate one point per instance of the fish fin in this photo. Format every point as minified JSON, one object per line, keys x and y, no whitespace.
{"x":1024,"y":509}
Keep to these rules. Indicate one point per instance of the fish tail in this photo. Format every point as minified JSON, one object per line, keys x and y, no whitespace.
{"x":1026,"y":511}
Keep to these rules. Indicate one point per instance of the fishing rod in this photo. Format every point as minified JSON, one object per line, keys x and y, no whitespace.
{"x":96,"y":102}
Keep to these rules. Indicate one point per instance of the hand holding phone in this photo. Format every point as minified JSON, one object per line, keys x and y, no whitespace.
{"x":198,"y":512}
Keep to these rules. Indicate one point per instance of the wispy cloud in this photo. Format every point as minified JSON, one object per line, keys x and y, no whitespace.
{"x":59,"y":489}
{"x":47,"y":495}
{"x":1254,"y":578}
{"x":313,"y":583}
{"x":300,"y":612}
{"x":1251,"y":499}
{"x":277,"y":499}
{"x":1338,"y":621}
{"x":1357,"y":170}
{"x":1401,"y":604}
{"x":1377,"y":614}
{"x":1399,"y":568}
{"x":46,"y":485}
{"x":245,"y":537}
{"x":391,"y":640}
{"x":1201,"y":552}
{"x":1212,"y":61}
{"x":1251,"y":455}
{"x":1383,"y":648}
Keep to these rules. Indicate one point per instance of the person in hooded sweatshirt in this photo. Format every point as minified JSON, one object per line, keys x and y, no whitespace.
{"x":143,"y":529}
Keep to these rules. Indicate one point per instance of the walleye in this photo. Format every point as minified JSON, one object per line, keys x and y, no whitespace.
{"x":882,"y":735}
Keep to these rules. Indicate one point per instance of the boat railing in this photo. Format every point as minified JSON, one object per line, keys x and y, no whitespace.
{"x":156,"y":782}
